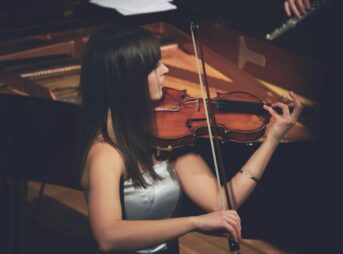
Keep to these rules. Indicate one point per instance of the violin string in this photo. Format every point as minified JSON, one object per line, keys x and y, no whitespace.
{"x":207,"y":119}
{"x":190,"y":99}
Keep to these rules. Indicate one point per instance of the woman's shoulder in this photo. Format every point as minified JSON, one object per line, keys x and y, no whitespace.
{"x":100,"y":149}
{"x":102,"y":160}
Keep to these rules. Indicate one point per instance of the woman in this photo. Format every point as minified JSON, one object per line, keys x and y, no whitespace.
{"x":132,"y":197}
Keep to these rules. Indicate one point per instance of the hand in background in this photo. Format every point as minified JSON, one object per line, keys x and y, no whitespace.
{"x":296,"y":7}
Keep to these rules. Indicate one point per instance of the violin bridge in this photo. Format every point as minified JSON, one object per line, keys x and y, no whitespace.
{"x":197,"y":104}
{"x":193,"y":100}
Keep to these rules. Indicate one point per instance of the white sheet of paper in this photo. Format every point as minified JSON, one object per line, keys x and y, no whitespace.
{"x":131,"y":7}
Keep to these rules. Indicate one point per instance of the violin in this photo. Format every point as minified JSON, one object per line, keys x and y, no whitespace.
{"x":180,"y":119}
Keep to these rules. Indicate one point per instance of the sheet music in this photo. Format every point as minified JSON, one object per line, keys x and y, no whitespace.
{"x":131,"y":7}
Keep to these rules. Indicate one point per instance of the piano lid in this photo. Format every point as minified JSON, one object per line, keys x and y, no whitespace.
{"x":237,"y":32}
{"x":20,"y":18}
{"x":257,"y":18}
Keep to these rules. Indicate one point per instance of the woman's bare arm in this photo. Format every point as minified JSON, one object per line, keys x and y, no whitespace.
{"x":105,"y":168}
{"x":200,"y":184}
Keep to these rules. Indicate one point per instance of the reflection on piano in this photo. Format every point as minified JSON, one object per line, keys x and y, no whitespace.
{"x":39,"y":78}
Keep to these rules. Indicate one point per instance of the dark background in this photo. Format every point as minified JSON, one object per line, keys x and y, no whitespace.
{"x":296,"y":203}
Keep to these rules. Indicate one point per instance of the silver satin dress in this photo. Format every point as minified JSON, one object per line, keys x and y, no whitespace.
{"x":158,"y":201}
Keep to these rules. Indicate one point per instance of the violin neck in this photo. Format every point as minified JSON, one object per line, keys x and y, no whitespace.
{"x":238,"y":106}
{"x":253,"y":107}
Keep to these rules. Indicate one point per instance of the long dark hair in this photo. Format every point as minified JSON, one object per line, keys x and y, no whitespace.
{"x":114,"y":73}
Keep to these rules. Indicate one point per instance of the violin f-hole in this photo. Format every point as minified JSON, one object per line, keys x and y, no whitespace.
{"x":189,"y":121}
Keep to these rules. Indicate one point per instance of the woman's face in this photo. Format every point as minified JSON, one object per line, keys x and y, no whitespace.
{"x":155,"y":81}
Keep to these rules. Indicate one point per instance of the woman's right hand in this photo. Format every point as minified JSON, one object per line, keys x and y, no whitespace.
{"x":227,"y":220}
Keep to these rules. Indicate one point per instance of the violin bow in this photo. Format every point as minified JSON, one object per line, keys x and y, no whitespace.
{"x":212,"y":130}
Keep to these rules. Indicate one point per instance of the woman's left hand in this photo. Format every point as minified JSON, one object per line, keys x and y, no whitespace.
{"x":283,"y":122}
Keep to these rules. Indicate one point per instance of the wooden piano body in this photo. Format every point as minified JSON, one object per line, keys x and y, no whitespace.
{"x":39,"y":98}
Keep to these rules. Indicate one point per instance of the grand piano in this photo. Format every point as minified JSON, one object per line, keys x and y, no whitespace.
{"x":41,"y":44}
